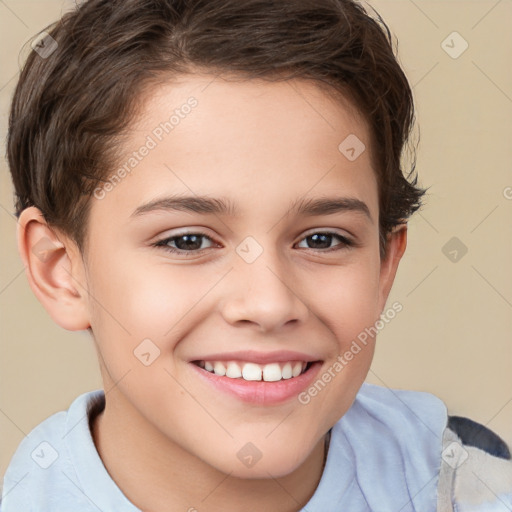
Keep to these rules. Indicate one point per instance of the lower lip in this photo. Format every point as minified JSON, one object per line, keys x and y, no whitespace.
{"x":261,"y":392}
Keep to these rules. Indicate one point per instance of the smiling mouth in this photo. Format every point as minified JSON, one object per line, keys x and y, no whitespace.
{"x":270,"y":372}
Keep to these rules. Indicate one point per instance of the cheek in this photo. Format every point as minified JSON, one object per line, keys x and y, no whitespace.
{"x":158,"y":302}
{"x":147,"y":300}
{"x":346,"y":299}
{"x":347,"y":307}
{"x":163,"y":299}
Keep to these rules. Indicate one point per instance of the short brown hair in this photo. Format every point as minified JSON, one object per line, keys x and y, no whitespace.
{"x":70,"y":109}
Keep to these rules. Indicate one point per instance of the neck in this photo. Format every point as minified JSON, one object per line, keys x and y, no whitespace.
{"x":155,"y":474}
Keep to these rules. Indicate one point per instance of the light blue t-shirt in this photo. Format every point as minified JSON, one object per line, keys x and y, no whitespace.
{"x":385,"y":455}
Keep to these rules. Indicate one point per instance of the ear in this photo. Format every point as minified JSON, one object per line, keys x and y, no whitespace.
{"x":396,"y":243}
{"x":54,"y":270}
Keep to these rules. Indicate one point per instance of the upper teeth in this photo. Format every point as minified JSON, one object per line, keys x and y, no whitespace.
{"x":251,"y":371}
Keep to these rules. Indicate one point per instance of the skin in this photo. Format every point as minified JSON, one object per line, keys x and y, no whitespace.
{"x":263,"y":145}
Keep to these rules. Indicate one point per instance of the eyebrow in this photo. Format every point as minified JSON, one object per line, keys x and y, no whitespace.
{"x":223,"y":206}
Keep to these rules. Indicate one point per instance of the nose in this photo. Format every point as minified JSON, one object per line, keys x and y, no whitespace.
{"x":264,"y":293}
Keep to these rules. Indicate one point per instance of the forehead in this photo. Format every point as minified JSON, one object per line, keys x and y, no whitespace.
{"x":262,"y":143}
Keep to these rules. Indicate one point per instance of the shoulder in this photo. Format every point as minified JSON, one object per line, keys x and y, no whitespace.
{"x":389,"y":445}
{"x":472,"y":465}
{"x":42,"y":464}
{"x":476,"y":435}
{"x":476,"y":469}
{"x":410,"y":409}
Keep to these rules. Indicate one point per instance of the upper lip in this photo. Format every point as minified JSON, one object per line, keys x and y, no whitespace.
{"x":252,"y":356}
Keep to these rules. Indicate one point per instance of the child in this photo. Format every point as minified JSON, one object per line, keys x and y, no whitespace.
{"x":179,"y":167}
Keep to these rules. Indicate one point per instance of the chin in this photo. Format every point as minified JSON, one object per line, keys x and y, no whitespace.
{"x":264,"y":470}
{"x":250,"y":462}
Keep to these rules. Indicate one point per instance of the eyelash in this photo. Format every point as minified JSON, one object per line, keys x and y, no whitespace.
{"x":345,"y":242}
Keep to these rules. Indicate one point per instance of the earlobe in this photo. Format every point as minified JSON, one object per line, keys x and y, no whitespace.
{"x":54,"y":271}
{"x":396,"y":245}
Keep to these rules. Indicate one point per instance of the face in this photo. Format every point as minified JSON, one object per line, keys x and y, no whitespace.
{"x":247,"y":270}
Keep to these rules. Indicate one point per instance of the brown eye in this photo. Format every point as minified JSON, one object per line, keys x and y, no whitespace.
{"x":322,"y":240}
{"x":184,"y":243}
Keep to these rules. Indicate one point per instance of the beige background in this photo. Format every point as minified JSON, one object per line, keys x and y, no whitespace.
{"x":453,"y":337}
